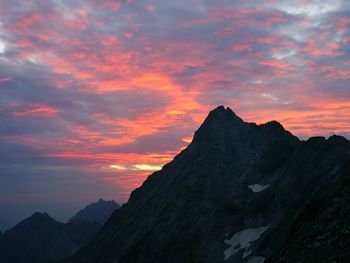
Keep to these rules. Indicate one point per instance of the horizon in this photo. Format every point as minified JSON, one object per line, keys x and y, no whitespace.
{"x":95,"y":97}
{"x":74,"y":209}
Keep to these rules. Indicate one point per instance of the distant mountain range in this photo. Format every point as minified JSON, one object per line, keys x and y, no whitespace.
{"x":240,"y":192}
{"x":96,"y":212}
{"x":40,"y":238}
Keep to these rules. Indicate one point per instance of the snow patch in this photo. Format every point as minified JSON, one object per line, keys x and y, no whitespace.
{"x":243,"y":240}
{"x":256,"y":260}
{"x":257,"y":188}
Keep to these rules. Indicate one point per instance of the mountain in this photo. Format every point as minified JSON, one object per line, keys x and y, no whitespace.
{"x":96,"y":212}
{"x":4,"y":224}
{"x":240,"y":192}
{"x":41,"y":238}
{"x":321,"y":232}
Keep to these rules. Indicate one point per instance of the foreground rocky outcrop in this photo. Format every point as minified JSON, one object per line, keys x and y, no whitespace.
{"x":321,"y":231}
{"x":240,"y":192}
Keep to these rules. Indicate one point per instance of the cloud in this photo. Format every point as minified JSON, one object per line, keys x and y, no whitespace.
{"x":86,"y":85}
{"x":136,"y":167}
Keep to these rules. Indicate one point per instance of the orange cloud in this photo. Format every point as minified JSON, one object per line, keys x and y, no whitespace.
{"x":121,"y":81}
{"x":37,"y":110}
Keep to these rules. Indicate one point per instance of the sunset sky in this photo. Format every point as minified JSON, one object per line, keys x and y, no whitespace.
{"x":95,"y":95}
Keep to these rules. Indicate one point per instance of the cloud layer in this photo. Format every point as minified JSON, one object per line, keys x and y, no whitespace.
{"x":100,"y":93}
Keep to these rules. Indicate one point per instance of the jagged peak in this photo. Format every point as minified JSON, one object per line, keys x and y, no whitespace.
{"x":220,"y":113}
{"x":103,"y":201}
{"x":221,"y":121}
{"x":276,"y":128}
{"x":274,"y":125}
{"x":338,"y":138}
{"x":36,"y":219}
{"x":218,"y":120}
{"x":39,"y":214}
{"x":222,"y":116}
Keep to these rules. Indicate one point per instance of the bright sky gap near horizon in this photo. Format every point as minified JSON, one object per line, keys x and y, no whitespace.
{"x":95,"y":95}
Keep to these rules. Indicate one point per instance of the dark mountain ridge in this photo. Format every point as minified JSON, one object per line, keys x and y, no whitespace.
{"x":40,"y":238}
{"x":233,"y":195}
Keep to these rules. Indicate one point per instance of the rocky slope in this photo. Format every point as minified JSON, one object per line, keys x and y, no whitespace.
{"x":321,"y":231}
{"x":237,"y":193}
{"x":96,"y":212}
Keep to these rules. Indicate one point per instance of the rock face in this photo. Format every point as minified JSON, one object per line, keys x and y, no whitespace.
{"x":321,"y":232}
{"x":96,"y":212}
{"x":237,"y":193}
{"x":40,"y":238}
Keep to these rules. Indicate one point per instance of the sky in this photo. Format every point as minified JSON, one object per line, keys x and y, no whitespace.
{"x":96,"y":95}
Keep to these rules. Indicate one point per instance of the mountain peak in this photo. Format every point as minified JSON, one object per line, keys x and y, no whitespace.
{"x":96,"y":212}
{"x":220,"y":108}
{"x":218,"y":122}
{"x":102,"y":201}
{"x":38,"y":215}
{"x":220,"y":113}
{"x":38,"y":218}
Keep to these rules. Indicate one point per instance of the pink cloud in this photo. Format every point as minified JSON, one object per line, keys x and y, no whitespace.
{"x":241,"y":56}
{"x":36,"y":110}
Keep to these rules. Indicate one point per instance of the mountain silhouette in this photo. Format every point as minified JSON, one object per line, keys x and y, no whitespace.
{"x":40,"y":238}
{"x":238,"y":193}
{"x":96,"y":212}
